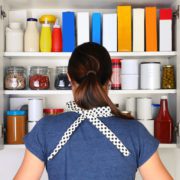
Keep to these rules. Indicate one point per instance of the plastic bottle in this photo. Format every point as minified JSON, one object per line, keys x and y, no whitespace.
{"x":56,"y":38}
{"x":31,"y":38}
{"x":163,"y":128}
{"x":46,"y":38}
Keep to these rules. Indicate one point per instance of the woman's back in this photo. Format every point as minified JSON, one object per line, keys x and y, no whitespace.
{"x":89,"y":154}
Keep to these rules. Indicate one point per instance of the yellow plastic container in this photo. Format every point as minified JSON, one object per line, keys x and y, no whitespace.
{"x":46,"y":38}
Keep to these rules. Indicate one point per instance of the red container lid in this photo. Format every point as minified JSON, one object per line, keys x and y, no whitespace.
{"x":116,"y":60}
{"x":166,"y":14}
{"x":53,"y":111}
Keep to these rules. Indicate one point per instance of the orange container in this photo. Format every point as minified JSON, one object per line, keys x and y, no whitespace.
{"x":124,"y":28}
{"x":151,"y":29}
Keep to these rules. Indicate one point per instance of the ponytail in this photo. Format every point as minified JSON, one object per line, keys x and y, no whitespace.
{"x":90,"y":68}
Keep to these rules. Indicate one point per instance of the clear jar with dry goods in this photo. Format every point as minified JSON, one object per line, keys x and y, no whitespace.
{"x":168,"y":77}
{"x":39,"y":78}
{"x":15,"y":78}
{"x":16,"y":126}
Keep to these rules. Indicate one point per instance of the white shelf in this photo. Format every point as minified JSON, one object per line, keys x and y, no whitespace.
{"x":69,"y":92}
{"x":20,"y":146}
{"x":68,"y":54}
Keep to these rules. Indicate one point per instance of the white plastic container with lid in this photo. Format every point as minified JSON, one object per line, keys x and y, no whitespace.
{"x":129,"y":82}
{"x":35,"y":109}
{"x":129,"y":66}
{"x":144,"y":110}
{"x":149,"y":125}
{"x":14,"y":38}
{"x":31,"y":37}
{"x":150,"y":75}
{"x":131,"y":105}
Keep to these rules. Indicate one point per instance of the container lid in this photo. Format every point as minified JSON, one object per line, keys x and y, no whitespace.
{"x":15,"y":68}
{"x":16,"y":113}
{"x":156,"y":105}
{"x":32,"y":19}
{"x":116,"y":60}
{"x":166,"y":14}
{"x":164,"y":97}
{"x":150,"y":63}
{"x":53,"y":111}
{"x":168,"y":66}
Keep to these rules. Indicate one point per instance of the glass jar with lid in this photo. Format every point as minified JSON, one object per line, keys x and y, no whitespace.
{"x":61,"y":80}
{"x":168,"y":77}
{"x":16,"y":126}
{"x":15,"y":78}
{"x":39,"y":78}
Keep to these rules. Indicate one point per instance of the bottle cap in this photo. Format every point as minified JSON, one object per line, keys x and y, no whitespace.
{"x":56,"y":25}
{"x":46,"y":23}
{"x":164,"y":97}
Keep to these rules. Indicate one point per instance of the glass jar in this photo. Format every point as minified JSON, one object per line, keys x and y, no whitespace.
{"x":116,"y":68}
{"x":39,"y":78}
{"x":15,"y":78}
{"x":61,"y":80}
{"x":16,"y":126}
{"x":168,"y":77}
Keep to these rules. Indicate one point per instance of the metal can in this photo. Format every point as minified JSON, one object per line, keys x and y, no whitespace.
{"x":150,"y":75}
{"x":115,"y":80}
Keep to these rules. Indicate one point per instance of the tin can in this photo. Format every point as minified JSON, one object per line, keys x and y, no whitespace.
{"x":150,"y":75}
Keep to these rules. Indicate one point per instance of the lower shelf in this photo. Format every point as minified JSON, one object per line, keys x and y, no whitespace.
{"x":20,"y":146}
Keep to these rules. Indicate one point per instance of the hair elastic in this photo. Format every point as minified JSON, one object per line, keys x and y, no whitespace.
{"x":91,"y":72}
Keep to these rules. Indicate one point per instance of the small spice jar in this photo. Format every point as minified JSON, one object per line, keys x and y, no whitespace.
{"x":39,"y":78}
{"x":15,"y":78}
{"x":168,"y":77}
{"x":61,"y":80}
{"x":116,"y":67}
{"x":16,"y":126}
{"x":52,"y":111}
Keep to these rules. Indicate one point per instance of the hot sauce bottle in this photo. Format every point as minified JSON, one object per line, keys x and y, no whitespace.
{"x":163,"y":127}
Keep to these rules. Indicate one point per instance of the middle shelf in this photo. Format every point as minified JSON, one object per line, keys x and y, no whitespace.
{"x":69,"y":92}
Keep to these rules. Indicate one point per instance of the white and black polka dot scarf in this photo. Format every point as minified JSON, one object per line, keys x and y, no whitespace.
{"x":91,"y":115}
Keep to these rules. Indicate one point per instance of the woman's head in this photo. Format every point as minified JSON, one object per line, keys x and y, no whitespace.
{"x":90,"y":71}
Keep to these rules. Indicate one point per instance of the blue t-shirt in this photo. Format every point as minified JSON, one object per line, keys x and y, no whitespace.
{"x":89,"y":155}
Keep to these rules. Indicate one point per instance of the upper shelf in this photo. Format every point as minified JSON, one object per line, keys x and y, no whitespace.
{"x":113,"y":54}
{"x":69,"y":92}
{"x":87,"y":4}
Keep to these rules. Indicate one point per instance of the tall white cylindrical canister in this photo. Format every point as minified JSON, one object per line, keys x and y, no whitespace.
{"x":35,"y":109}
{"x":129,"y":66}
{"x":131,"y":105}
{"x":31,"y":125}
{"x":129,"y":82}
{"x":150,"y":75}
{"x":144,"y":110}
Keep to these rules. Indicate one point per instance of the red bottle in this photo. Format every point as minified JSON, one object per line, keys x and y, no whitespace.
{"x":163,"y":127}
{"x":56,"y":38}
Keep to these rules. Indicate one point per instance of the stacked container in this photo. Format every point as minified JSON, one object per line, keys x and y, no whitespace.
{"x":129,"y":74}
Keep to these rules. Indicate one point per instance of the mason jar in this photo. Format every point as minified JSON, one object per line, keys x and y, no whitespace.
{"x":15,"y":78}
{"x":61,"y":79}
{"x":39,"y":78}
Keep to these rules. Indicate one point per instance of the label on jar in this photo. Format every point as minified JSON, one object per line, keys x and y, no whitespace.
{"x":14,"y":82}
{"x":61,"y":83}
{"x":36,"y":83}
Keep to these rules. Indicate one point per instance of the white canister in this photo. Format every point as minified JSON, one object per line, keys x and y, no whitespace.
{"x":31,"y":125}
{"x":149,"y":125}
{"x":129,"y":66}
{"x":14,"y":38}
{"x":35,"y":109}
{"x":150,"y":75}
{"x":144,"y":110}
{"x":31,"y":37}
{"x":131,"y":105}
{"x":129,"y":82}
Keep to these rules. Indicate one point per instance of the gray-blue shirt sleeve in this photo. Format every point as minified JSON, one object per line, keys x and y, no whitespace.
{"x":148,"y":145}
{"x":35,"y":141}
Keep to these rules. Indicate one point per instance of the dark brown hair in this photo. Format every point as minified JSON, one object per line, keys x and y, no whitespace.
{"x":91,"y":68}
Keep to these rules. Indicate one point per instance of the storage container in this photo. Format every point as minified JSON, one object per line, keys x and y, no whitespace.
{"x":15,"y":78}
{"x":16,"y":126}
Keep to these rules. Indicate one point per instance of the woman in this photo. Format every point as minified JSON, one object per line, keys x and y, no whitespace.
{"x":93,"y":141}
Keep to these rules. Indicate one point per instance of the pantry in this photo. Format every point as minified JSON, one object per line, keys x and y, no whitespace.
{"x":52,"y":94}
